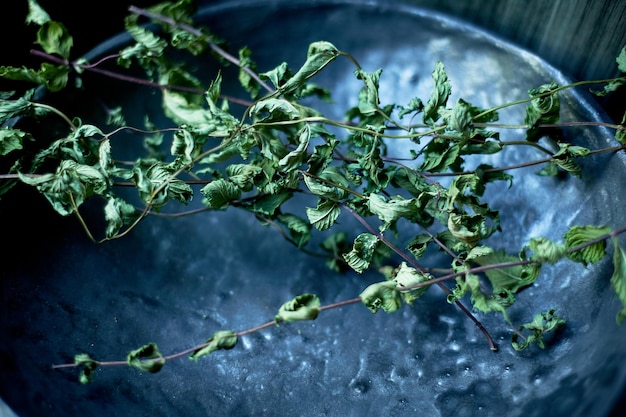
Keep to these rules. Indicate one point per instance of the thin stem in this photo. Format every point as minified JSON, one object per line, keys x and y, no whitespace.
{"x":551,"y":125}
{"x":80,"y":219}
{"x":340,"y":304}
{"x":142,"y":81}
{"x":49,"y":57}
{"x":257,"y":328}
{"x":112,"y":74}
{"x":547,"y":93}
{"x":134,"y":80}
{"x":347,"y":126}
{"x":341,"y":187}
{"x":527,"y":143}
{"x":200,"y":34}
{"x":522,"y":165}
{"x":203,"y":345}
{"x":58,"y":113}
{"x":99,"y":62}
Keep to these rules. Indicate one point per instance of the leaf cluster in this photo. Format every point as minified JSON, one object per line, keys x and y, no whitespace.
{"x":278,"y":147}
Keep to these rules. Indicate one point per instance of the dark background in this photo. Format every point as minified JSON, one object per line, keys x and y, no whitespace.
{"x":600,"y":24}
{"x":89,"y":23}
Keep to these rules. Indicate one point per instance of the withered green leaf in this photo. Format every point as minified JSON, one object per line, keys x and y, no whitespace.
{"x":223,"y":339}
{"x":146,"y":358}
{"x":301,"y":307}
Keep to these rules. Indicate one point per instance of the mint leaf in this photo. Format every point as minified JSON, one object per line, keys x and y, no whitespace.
{"x":610,"y":87}
{"x":53,"y":77}
{"x":87,"y":365}
{"x":468,"y":228}
{"x":11,"y":140}
{"x":324,"y":215}
{"x":183,"y":146}
{"x":581,"y":235}
{"x":618,"y":279}
{"x":415,"y":105}
{"x":55,"y":39}
{"x":362,"y":253}
{"x":617,"y":83}
{"x":156,"y":185}
{"x":268,"y":204}
{"x":439,"y":96}
{"x":535,"y":331}
{"x":564,"y":158}
{"x":418,"y":245}
{"x":543,"y":109}
{"x":294,"y":159}
{"x":118,"y":213}
{"x":551,"y":169}
{"x":147,"y":45}
{"x":243,"y":175}
{"x":69,"y":186}
{"x":407,"y":276}
{"x":299,"y":228}
{"x":336,"y":245}
{"x":544,"y":250}
{"x":485,"y":303}
{"x":389,"y":211}
{"x":52,"y":36}
{"x":245,"y":79}
{"x":14,"y":108}
{"x":511,"y":278}
{"x":458,"y":118}
{"x":36,"y":14}
{"x":322,"y":155}
{"x":278,"y":76}
{"x":621,"y":60}
{"x":274,"y":109}
{"x":322,"y":188}
{"x":440,"y":154}
{"x":383,"y":295}
{"x":187,"y":109}
{"x":223,"y":339}
{"x":146,"y":358}
{"x":330,"y":184}
{"x":319,"y":55}
{"x":302,"y":307}
{"x":219,"y":193}
{"x":368,"y":95}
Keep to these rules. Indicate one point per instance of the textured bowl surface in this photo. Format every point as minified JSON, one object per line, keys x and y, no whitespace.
{"x":176,"y":281}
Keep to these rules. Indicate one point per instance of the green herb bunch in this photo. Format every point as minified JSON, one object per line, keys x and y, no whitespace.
{"x":259,"y":158}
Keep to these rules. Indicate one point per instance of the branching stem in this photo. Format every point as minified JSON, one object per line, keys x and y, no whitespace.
{"x":272,"y":160}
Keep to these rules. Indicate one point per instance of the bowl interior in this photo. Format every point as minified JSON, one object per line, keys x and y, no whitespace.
{"x":177,"y":281}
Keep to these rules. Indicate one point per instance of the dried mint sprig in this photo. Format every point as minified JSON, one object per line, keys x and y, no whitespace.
{"x":284,"y":148}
